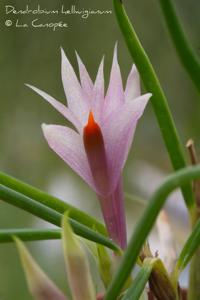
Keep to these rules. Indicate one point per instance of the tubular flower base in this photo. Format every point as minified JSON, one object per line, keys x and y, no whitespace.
{"x":98,"y":147}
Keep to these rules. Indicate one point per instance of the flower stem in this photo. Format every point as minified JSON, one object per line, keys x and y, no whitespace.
{"x":188,"y":57}
{"x":159,"y":101}
{"x":114,"y":215}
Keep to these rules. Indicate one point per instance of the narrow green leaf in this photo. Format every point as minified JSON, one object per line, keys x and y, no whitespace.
{"x":190,"y":253}
{"x":105,"y":265}
{"x":6,"y":235}
{"x":187,"y":55}
{"x":51,"y":201}
{"x":135,"y":199}
{"x":158,"y":100}
{"x":191,"y":245}
{"x":140,"y":281}
{"x":40,"y":285}
{"x":145,"y":225}
{"x":51,"y":216}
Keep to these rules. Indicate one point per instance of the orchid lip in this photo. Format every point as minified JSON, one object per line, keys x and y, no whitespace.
{"x":96,"y":155}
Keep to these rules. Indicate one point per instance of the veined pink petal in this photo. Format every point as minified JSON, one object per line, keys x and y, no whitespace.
{"x":59,"y":107}
{"x":98,"y":93}
{"x":86,"y":82}
{"x":118,"y":130}
{"x":115,"y":93}
{"x":132,"y":89}
{"x":139,"y":105}
{"x":73,"y":91}
{"x":69,"y":146}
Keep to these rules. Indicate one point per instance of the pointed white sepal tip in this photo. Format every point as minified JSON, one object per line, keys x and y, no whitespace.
{"x":40,"y":285}
{"x":102,"y":61}
{"x":30,"y":86}
{"x":62,"y":50}
{"x":79,"y":275}
{"x":33,"y":88}
{"x":115,"y":50}
{"x":44,"y":125}
{"x":78,"y":56}
{"x":63,"y":55}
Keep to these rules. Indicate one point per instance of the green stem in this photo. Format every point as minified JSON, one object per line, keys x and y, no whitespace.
{"x":188,"y":250}
{"x":51,"y":201}
{"x":6,"y":235}
{"x":159,"y":102}
{"x":191,"y":62}
{"x":185,"y":52}
{"x":145,"y":225}
{"x":194,"y":277}
{"x":194,"y":280}
{"x":51,"y":216}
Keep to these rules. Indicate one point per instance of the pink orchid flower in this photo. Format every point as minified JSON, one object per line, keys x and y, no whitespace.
{"x":98,"y":147}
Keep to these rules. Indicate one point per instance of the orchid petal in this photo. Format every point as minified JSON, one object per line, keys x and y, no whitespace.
{"x":118,"y":131}
{"x":86,"y":82}
{"x":73,"y":91}
{"x":132,"y":89}
{"x":115,"y":93}
{"x":98,"y":93}
{"x":139,"y":105}
{"x":69,"y":146}
{"x":58,"y":106}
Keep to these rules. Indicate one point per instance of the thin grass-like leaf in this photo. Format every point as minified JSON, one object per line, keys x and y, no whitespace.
{"x":191,"y":245}
{"x":51,"y":216}
{"x":187,"y":55}
{"x":51,"y":201}
{"x":158,"y":100}
{"x":6,"y":235}
{"x":140,"y":281}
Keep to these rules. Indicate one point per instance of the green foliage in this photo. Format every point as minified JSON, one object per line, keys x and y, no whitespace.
{"x":50,"y":201}
{"x":187,"y":55}
{"x":140,"y":281}
{"x":29,"y":234}
{"x":191,"y":245}
{"x":158,"y":100}
{"x":40,"y":210}
{"x":145,"y":225}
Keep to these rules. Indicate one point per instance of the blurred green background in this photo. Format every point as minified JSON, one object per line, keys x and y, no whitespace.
{"x":33,"y":56}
